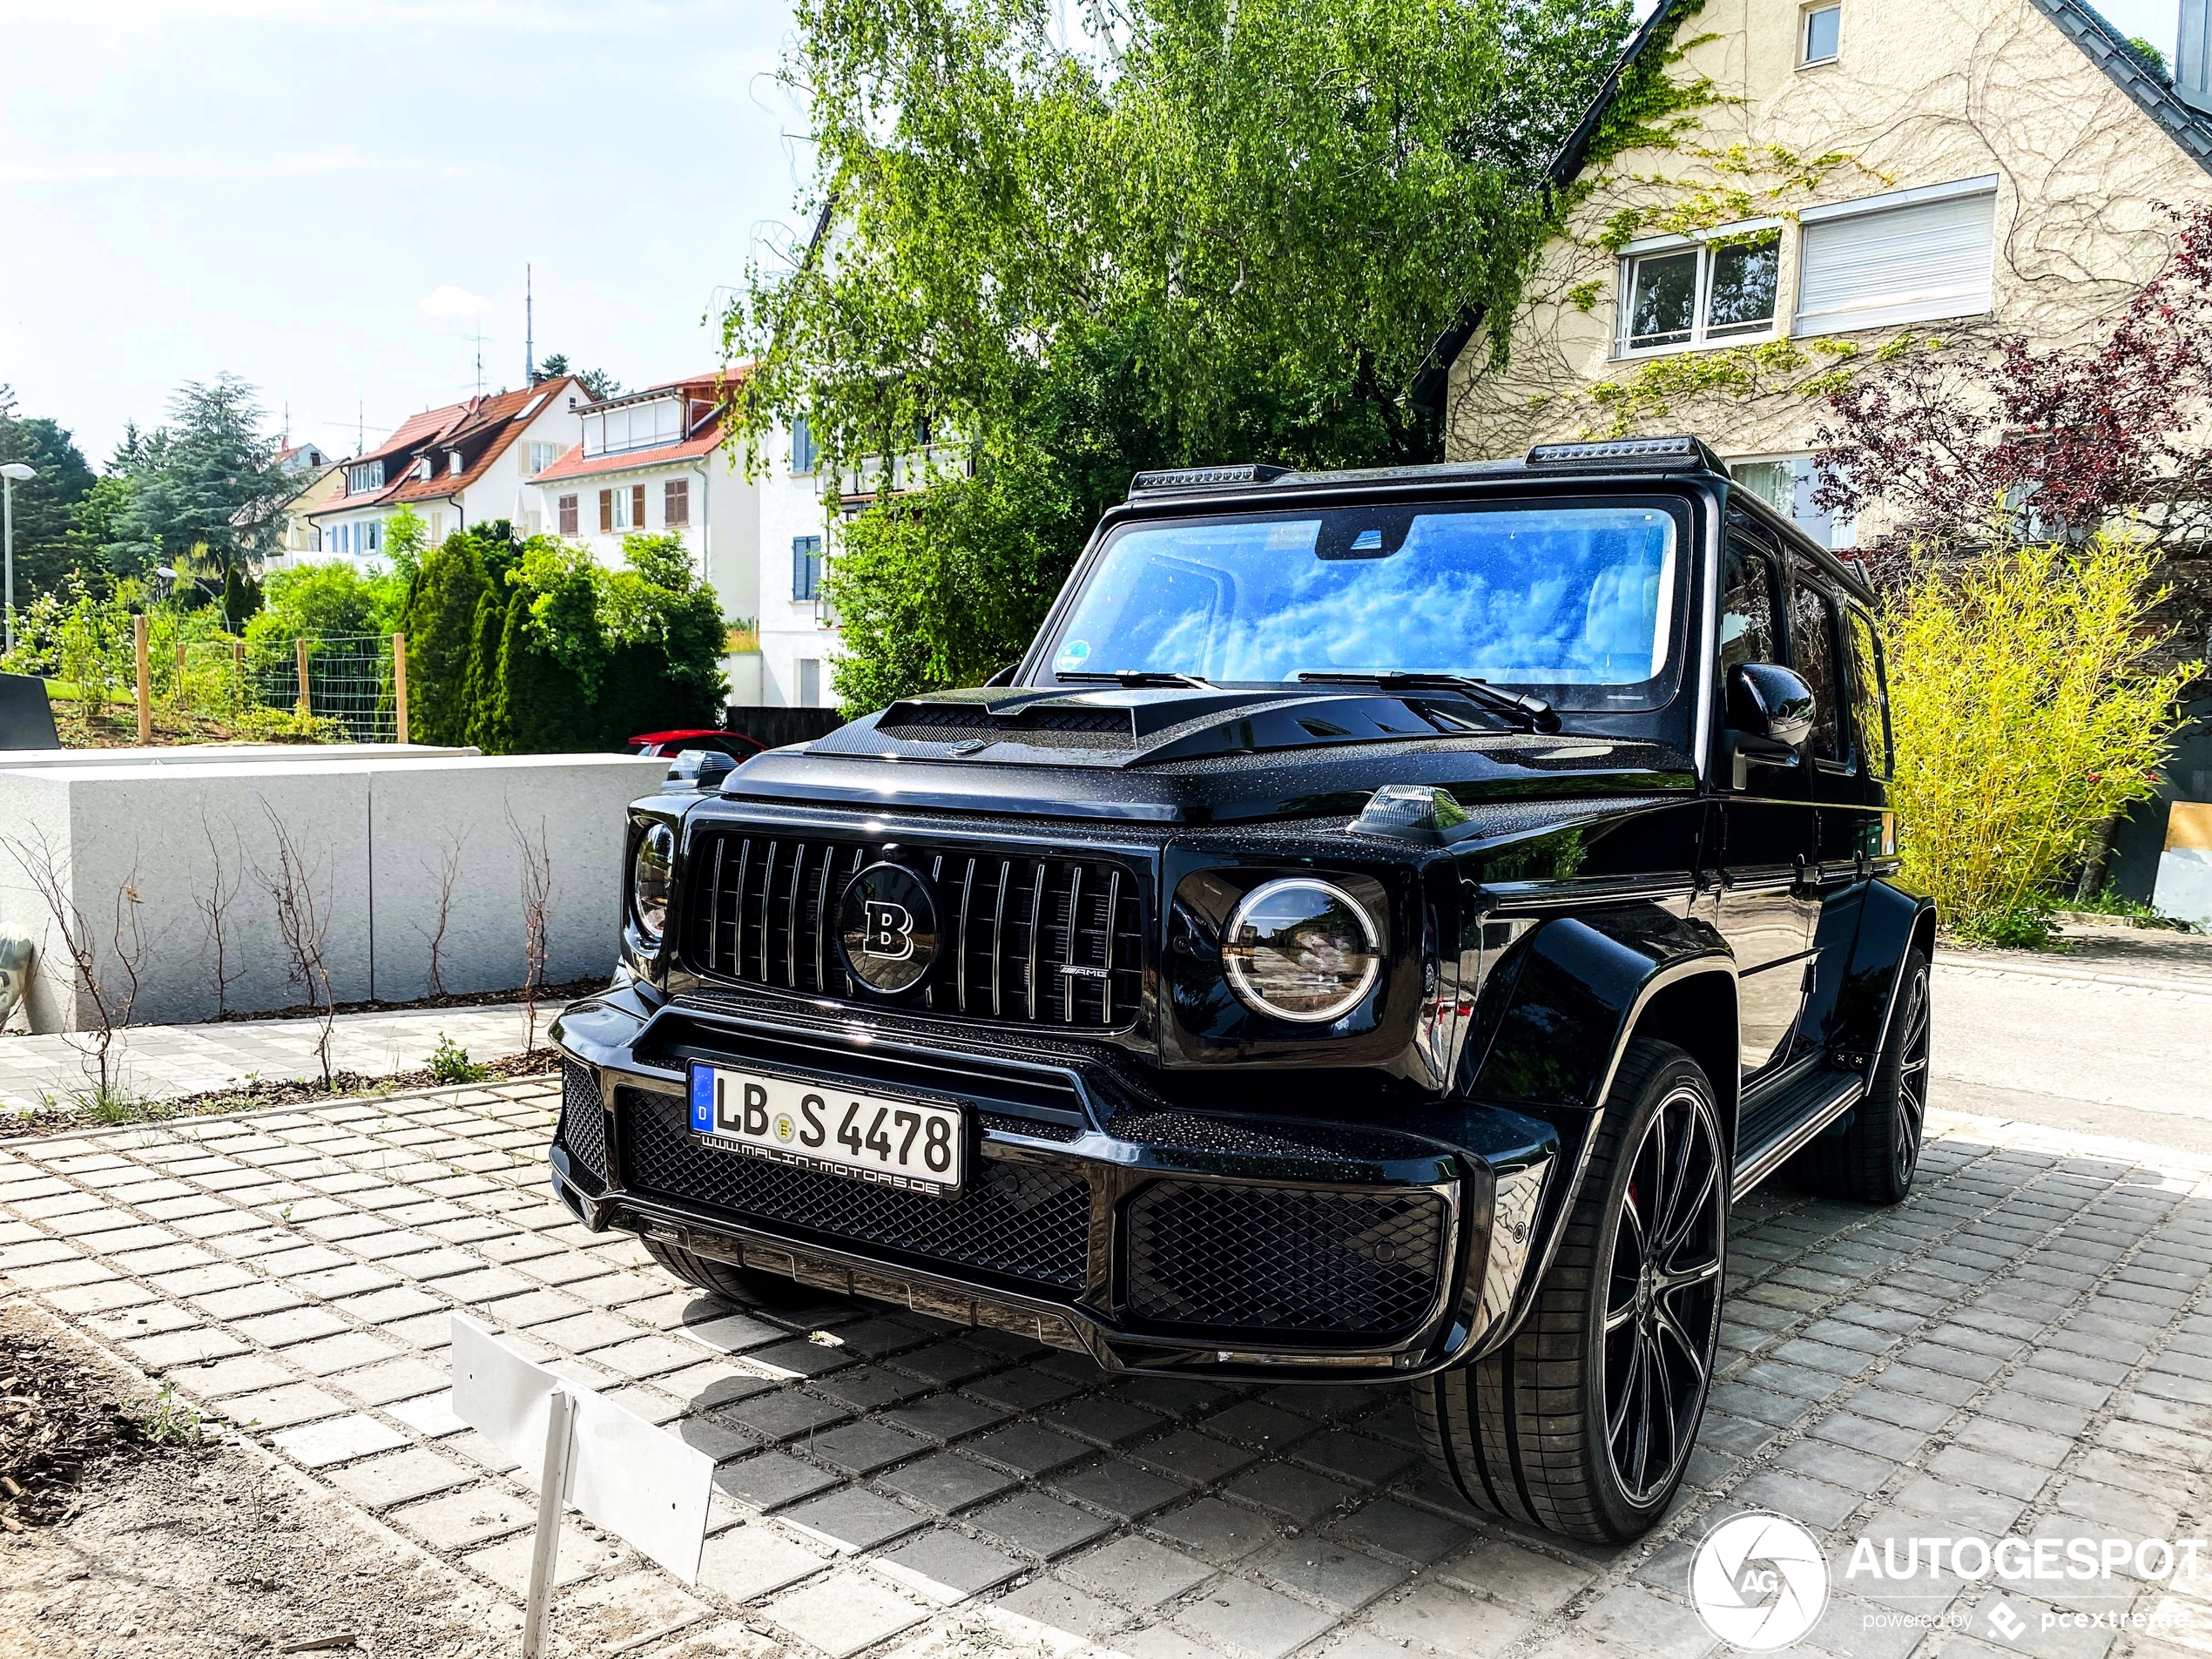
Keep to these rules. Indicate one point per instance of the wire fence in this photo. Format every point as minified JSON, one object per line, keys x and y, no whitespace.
{"x":349,"y":684}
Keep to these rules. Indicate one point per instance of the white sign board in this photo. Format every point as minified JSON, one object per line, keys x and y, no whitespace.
{"x":636,"y":1480}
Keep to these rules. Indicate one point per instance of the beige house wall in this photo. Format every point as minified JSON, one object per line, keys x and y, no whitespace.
{"x":1922,"y":92}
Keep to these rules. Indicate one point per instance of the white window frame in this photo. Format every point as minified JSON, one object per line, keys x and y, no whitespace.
{"x":1805,"y":59}
{"x":364,"y":477}
{"x":1808,"y":326}
{"x":1624,"y":276}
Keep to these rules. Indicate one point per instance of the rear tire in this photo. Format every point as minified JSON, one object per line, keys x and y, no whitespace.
{"x":744,"y":1286}
{"x":1584,"y":1421}
{"x":1872,"y":1162}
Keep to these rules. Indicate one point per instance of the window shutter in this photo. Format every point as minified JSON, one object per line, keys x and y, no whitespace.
{"x":568,"y":515}
{"x":676,"y":503}
{"x":1898,"y":265}
{"x":637,"y":507}
{"x":606,"y":511}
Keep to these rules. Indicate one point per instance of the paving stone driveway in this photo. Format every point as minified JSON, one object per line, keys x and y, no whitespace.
{"x":2021,"y":1347}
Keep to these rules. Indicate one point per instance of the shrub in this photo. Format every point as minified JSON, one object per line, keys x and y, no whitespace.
{"x":449,"y":1063}
{"x":2025,"y":713}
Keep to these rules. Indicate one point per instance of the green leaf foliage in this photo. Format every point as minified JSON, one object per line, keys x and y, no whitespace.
{"x":46,"y":506}
{"x":203,"y":489}
{"x":1201,"y":231}
{"x":531,"y":647}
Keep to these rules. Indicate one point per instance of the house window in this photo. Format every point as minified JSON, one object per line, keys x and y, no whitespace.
{"x":1823,"y":30}
{"x":805,"y":567}
{"x":567,"y":507}
{"x":1696,"y":296}
{"x":544,"y":456}
{"x":676,"y":503}
{"x":1913,"y":257}
{"x":635,"y":425}
{"x":1788,"y":485}
{"x":810,"y":682}
{"x":806,"y":454}
{"x":454,"y":464}
{"x":366,"y":476}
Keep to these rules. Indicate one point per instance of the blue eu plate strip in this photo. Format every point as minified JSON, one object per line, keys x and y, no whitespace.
{"x":702,"y":1099}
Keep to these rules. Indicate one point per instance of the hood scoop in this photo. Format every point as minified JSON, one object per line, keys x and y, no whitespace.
{"x":1118,"y":726}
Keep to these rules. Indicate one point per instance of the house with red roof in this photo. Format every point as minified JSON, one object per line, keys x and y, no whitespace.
{"x":457,"y":466}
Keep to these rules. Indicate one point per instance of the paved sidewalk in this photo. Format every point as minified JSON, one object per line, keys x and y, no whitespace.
{"x":2024,"y":1346}
{"x":169,"y":1061}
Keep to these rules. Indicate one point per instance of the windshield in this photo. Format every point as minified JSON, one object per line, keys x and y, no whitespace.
{"x":1575,"y":601}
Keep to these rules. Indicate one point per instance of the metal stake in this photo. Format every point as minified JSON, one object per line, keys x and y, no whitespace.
{"x":546,"y":1545}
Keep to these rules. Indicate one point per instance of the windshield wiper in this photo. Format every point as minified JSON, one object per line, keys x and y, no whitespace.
{"x":1532,"y":712}
{"x":1134,"y":677}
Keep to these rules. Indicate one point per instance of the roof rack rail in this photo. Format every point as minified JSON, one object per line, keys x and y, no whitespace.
{"x":1248,"y":472}
{"x":1684,"y":451}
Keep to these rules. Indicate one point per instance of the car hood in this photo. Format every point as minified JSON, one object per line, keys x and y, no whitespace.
{"x":1195,"y":755}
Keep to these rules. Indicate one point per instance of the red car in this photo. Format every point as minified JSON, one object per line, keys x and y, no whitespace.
{"x":672,"y":744}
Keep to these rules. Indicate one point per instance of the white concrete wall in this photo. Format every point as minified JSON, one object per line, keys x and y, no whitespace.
{"x":370,"y":832}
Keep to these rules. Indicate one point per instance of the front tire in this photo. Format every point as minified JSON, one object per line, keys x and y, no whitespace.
{"x":1583,"y":1422}
{"x":742,"y":1286}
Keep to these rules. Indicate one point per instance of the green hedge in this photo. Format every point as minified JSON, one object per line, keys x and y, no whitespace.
{"x":531,"y":647}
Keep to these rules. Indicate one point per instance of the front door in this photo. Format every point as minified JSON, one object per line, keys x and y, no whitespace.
{"x":1768,"y":841}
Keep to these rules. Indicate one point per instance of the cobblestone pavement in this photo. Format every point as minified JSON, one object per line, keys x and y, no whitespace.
{"x":169,"y":1061}
{"x":2024,"y":1346}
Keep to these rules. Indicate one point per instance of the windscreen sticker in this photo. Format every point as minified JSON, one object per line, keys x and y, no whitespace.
{"x":1074,"y":653}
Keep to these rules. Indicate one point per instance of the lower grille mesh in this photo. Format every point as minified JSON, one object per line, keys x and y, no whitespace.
{"x":583,"y":1121}
{"x":1281,"y":1259}
{"x":1016,"y":1220}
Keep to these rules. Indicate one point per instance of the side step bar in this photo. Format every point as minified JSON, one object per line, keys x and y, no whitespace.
{"x":1774,"y":1128}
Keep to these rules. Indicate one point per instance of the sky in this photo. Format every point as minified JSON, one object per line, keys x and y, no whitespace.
{"x":332,"y":198}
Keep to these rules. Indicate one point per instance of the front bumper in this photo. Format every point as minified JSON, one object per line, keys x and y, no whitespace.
{"x":1096,"y":1218}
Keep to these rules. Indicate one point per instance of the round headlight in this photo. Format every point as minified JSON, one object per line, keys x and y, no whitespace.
{"x":1301,"y":949}
{"x":652,"y":873}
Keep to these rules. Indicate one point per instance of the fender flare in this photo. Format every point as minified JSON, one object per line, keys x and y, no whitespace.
{"x":1580,"y":987}
{"x":1892,"y":923}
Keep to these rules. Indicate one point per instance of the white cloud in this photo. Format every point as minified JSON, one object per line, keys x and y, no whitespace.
{"x":449,"y":301}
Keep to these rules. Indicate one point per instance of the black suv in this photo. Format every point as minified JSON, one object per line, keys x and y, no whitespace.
{"x":1373,"y":936}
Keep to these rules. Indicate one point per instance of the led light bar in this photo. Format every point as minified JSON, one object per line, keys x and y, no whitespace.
{"x":1206,"y":477}
{"x":1676,"y":449}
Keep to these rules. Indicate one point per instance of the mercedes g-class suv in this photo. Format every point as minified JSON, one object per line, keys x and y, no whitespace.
{"x":1373,"y":936}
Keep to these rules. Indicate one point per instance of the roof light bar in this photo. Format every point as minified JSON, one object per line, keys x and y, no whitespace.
{"x":1206,"y":477}
{"x":1676,"y":449}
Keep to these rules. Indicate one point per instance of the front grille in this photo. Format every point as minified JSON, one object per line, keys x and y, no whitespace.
{"x":1302,"y":1261}
{"x":583,"y":1121}
{"x":1039,"y":941}
{"x":1019,"y":1221}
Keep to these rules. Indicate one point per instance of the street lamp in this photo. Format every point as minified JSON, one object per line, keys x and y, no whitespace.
{"x":13,"y":473}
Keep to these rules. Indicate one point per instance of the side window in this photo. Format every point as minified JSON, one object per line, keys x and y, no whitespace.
{"x":1873,"y":702}
{"x":1747,"y":633}
{"x":1813,"y":653}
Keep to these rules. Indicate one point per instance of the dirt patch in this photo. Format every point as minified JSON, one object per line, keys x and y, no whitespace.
{"x":548,"y":997}
{"x":62,"y":1116}
{"x":61,"y":1414}
{"x":208,"y":1551}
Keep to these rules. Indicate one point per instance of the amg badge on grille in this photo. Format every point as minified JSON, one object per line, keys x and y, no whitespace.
{"x":887,"y":926}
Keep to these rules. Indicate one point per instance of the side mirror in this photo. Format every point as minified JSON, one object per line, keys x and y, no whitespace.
{"x":1004,"y":676}
{"x":1768,"y":702}
{"x":1770,"y":716}
{"x":698,"y":769}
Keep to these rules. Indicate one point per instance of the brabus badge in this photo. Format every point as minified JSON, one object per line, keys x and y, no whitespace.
{"x":886,"y":927}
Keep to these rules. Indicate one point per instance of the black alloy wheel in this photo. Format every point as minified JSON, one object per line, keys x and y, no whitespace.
{"x":1663,"y":1295}
{"x":1583,"y":1420}
{"x":1873,"y":1156}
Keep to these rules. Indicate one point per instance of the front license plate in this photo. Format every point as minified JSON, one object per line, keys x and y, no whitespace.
{"x":895,"y":1141}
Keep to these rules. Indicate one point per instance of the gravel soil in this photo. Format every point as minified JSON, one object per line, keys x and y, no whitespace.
{"x":211,"y":1552}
